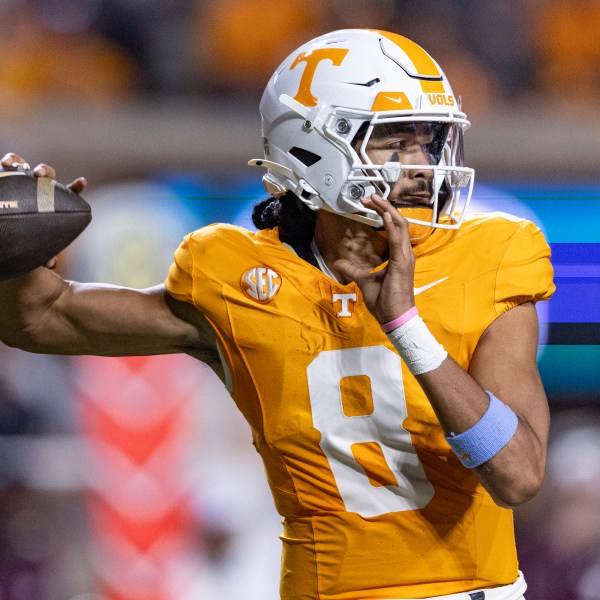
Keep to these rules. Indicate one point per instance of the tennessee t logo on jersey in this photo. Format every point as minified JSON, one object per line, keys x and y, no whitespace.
{"x":261,"y":284}
{"x":345,"y":299}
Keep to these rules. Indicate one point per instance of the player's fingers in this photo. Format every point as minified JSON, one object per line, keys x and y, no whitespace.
{"x":44,"y":170}
{"x":379,"y":205}
{"x":398,"y":240}
{"x":397,"y":230}
{"x":78,"y":185}
{"x":350,"y":269}
{"x":12,"y":161}
{"x":395,"y":224}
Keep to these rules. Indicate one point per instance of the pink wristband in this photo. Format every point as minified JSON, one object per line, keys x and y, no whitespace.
{"x":403,"y":318}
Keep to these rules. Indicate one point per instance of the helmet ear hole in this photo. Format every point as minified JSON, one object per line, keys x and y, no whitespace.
{"x":306,"y":157}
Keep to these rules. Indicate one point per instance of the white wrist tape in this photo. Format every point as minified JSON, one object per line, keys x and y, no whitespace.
{"x":417,"y":347}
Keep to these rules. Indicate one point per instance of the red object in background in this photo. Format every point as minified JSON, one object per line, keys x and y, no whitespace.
{"x":138,"y":417}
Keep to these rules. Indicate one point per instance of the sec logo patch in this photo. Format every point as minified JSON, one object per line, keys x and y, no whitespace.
{"x":261,"y":284}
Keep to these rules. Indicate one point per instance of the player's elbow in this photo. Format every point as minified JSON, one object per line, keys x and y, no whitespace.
{"x":514,"y":491}
{"x":514,"y":498}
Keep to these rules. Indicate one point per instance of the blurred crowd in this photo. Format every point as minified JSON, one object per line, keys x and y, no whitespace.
{"x":97,"y":53}
{"x":100,"y":51}
{"x":558,"y":532}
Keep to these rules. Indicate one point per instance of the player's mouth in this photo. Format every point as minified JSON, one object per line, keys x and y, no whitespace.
{"x":412,"y":201}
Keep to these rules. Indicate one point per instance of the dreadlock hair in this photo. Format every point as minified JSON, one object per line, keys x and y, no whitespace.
{"x":295,"y":220}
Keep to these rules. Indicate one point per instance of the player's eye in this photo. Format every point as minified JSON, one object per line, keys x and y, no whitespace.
{"x":398,"y":145}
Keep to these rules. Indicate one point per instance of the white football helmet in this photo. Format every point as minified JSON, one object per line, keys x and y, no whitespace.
{"x":357,"y":81}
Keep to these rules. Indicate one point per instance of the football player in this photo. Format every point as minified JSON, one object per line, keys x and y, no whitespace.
{"x":380,"y":341}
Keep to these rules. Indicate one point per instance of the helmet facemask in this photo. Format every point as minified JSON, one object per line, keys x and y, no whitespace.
{"x":442,"y":178}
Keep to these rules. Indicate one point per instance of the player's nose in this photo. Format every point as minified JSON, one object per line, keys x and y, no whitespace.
{"x":418,"y":165}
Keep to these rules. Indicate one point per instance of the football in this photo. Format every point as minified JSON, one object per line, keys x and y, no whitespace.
{"x":38,"y":218}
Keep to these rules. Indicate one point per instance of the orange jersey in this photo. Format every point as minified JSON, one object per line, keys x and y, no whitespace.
{"x":375,"y":503}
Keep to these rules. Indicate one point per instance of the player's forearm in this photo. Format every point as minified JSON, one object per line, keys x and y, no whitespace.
{"x":514,"y":474}
{"x":43,"y":313}
{"x":457,"y":399}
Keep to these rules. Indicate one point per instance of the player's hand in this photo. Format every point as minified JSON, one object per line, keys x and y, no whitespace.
{"x":14,"y":162}
{"x":388,"y":292}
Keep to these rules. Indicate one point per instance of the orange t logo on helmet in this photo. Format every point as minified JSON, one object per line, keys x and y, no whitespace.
{"x":312,"y":59}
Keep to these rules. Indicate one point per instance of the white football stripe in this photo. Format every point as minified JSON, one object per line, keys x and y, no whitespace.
{"x":45,"y":194}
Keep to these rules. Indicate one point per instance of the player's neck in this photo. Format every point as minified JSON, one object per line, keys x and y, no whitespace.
{"x":339,"y":237}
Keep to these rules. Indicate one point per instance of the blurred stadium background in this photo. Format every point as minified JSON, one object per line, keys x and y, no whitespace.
{"x":134,"y":479}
